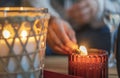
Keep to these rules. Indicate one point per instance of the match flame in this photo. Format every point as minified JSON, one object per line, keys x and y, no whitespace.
{"x":83,"y":51}
{"x":6,"y":34}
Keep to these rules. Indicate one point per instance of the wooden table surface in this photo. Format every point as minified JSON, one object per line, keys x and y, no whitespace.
{"x":60,"y":64}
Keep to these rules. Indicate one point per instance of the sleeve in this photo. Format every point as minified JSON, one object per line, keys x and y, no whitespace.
{"x":44,"y":4}
{"x":111,"y":6}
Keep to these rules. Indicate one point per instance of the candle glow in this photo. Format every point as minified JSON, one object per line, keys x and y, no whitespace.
{"x":6,"y":34}
{"x":24,"y":34}
{"x":83,"y":51}
{"x":88,"y":65}
{"x":7,"y":8}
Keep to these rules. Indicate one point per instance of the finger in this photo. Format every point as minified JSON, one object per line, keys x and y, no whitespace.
{"x":59,"y":50}
{"x":56,"y":41}
{"x":72,"y":46}
{"x":72,"y":37}
{"x":56,"y":48}
{"x":53,"y":45}
{"x":60,"y":33}
{"x":71,"y":34}
{"x":52,"y":36}
{"x":59,"y":30}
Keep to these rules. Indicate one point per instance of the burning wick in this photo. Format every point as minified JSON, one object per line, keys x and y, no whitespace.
{"x":82,"y":51}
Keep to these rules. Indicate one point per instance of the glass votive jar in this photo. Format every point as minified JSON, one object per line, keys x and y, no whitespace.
{"x":93,"y":65}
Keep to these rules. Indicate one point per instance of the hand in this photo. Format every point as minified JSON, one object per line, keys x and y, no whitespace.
{"x":84,"y":11}
{"x":61,"y":37}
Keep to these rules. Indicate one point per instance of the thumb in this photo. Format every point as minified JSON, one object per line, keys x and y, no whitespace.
{"x":70,"y":33}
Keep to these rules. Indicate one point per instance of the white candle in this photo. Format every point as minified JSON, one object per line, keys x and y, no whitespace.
{"x":18,"y":50}
{"x":4,"y":50}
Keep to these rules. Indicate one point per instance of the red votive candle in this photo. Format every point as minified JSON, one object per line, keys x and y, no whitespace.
{"x":93,"y":65}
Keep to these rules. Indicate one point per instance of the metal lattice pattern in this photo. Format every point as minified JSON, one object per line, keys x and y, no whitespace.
{"x":22,"y":57}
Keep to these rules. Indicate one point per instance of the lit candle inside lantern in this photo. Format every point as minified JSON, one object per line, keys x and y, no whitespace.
{"x":18,"y":49}
{"x":88,"y":64}
{"x":6,"y":34}
{"x":23,"y":33}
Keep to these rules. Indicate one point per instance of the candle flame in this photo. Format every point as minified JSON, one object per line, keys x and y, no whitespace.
{"x":6,"y":34}
{"x":24,"y":34}
{"x":83,"y":50}
{"x":7,"y":8}
{"x":21,"y":8}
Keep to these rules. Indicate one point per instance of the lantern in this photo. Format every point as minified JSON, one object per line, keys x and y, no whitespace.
{"x":23,"y":33}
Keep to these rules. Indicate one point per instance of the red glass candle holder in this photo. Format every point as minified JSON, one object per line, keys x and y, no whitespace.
{"x":94,"y":65}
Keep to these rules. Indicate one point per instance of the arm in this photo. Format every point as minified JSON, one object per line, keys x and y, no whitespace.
{"x":61,"y":36}
{"x":93,"y":11}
